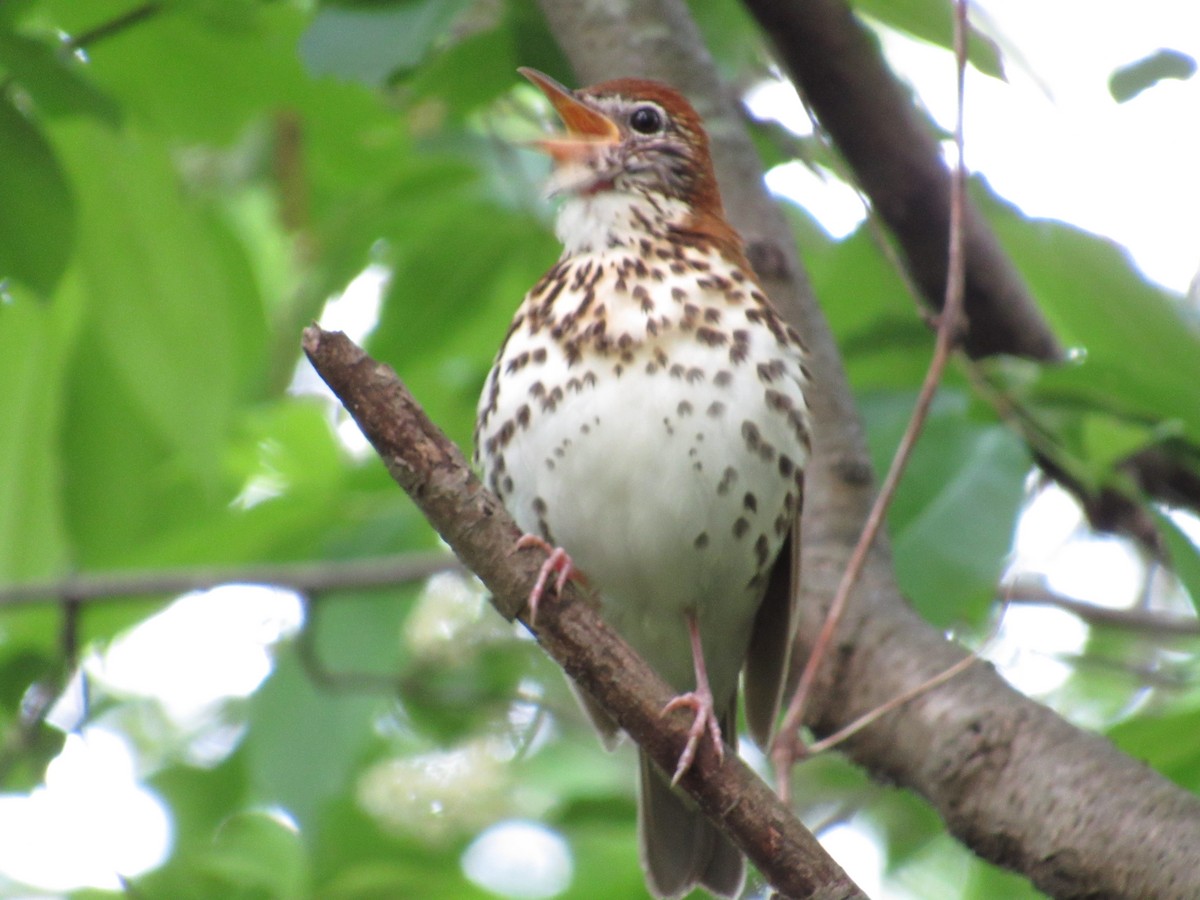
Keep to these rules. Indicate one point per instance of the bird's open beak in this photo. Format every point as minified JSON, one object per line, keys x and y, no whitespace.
{"x":586,"y":127}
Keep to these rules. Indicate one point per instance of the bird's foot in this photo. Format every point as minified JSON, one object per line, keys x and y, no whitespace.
{"x":558,"y":565}
{"x":700,"y":701}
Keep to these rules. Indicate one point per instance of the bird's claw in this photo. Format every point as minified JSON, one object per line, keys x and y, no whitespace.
{"x":558,"y":564}
{"x":705,"y":721}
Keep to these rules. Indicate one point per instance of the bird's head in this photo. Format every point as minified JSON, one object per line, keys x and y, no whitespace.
{"x":629,"y":136}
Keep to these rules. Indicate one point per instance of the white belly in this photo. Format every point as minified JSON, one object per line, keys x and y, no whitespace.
{"x":671,"y":485}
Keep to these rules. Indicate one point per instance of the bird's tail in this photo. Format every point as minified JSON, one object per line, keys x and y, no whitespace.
{"x":680,"y":847}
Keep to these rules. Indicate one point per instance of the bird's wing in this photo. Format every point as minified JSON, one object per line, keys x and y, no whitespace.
{"x":772,"y":638}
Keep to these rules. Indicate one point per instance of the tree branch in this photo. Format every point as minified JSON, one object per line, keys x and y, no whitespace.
{"x":1013,"y":781}
{"x":837,"y":66}
{"x":433,"y":472}
{"x":304,"y":578}
{"x":1141,"y":621}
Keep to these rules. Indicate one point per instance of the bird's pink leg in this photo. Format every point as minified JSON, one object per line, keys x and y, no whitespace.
{"x":558,"y":563}
{"x":701,"y":702}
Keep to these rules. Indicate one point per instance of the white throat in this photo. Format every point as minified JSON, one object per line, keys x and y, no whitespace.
{"x":588,"y":223}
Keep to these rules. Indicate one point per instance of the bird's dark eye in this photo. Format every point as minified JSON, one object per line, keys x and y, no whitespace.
{"x":646,"y":120}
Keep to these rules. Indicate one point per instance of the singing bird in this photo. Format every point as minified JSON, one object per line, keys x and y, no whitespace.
{"x":645,"y":419}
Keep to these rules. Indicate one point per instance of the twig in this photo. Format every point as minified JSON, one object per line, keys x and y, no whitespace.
{"x":112,"y":27}
{"x":305,"y":578}
{"x":832,"y":740}
{"x":1138,"y":620}
{"x":328,"y":679}
{"x":787,"y":746}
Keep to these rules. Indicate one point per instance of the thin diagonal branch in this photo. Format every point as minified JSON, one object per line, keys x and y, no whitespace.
{"x":113,"y":26}
{"x":305,"y":578}
{"x":787,"y":748}
{"x":472,"y":521}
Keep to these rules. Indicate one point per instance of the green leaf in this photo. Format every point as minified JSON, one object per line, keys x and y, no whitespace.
{"x":932,"y":21}
{"x":250,"y":855}
{"x":200,"y":799}
{"x":1139,"y":353}
{"x":35,"y":340}
{"x":356,"y":860}
{"x":53,"y":80}
{"x":369,"y":43}
{"x":257,"y":853}
{"x":196,"y":71}
{"x":303,"y":743}
{"x":1130,"y":80}
{"x":1183,"y":555}
{"x":954,"y":511}
{"x":37,"y":208}
{"x":882,"y":338}
{"x":1157,"y":739}
{"x":172,"y":304}
{"x":491,"y":57}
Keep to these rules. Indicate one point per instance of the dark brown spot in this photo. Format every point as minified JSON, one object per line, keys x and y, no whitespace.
{"x":506,"y":432}
{"x":786,"y":466}
{"x":715,"y":408}
{"x":777,"y":401}
{"x":701,"y":540}
{"x":723,"y":378}
{"x":750,"y":502}
{"x":741,"y":526}
{"x":751,"y":435}
{"x":516,"y":363}
{"x":710,"y":336}
{"x":728,"y":477}
{"x":523,"y":415}
{"x":684,"y":408}
{"x":762,"y":550}
{"x":769,"y":372}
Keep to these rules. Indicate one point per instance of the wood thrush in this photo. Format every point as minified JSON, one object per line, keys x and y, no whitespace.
{"x":646,"y":415}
